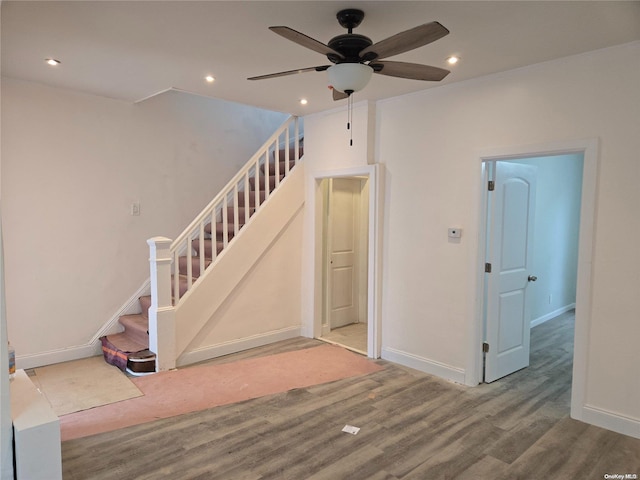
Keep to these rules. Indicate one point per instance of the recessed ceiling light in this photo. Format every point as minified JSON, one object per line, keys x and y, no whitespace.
{"x":303,"y":101}
{"x":52,"y":61}
{"x":452,"y":60}
{"x":209,"y":78}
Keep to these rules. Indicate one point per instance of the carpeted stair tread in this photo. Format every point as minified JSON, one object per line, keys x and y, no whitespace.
{"x":292,"y":153}
{"x":220,"y":229}
{"x":136,"y":327}
{"x":145,"y":303}
{"x":126,"y":343}
{"x":252,"y":198}
{"x":207,"y":247}
{"x":195,"y":265}
{"x":230,"y":229}
{"x":282,"y":167}
{"x":241,"y":213}
{"x":272,"y":182}
{"x":122,"y":351}
{"x":182,"y":285}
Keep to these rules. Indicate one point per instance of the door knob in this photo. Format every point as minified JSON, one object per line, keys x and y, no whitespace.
{"x":532,"y":278}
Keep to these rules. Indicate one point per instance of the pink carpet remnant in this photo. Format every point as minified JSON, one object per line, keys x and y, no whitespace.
{"x":167,"y":394}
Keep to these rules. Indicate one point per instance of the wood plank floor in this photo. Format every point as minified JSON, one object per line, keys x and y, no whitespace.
{"x":413,"y":426}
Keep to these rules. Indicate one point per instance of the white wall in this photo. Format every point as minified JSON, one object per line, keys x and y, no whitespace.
{"x":556,"y":230}
{"x":6,"y":429}
{"x":72,"y":165}
{"x":431,"y":143}
{"x":568,"y":99}
{"x":327,"y":139}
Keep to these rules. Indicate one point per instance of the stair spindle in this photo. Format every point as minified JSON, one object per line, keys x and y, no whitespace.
{"x":201,"y":251}
{"x":214,"y":236}
{"x":286,"y":152}
{"x":247,"y":202}
{"x":176,"y":275}
{"x":225,"y":223}
{"x":277,"y":164}
{"x":256,"y":185}
{"x":236,"y":219}
{"x":190,"y":264}
{"x":296,"y":155}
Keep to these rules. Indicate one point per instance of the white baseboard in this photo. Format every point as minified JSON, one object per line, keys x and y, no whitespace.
{"x":425,"y":365}
{"x":611,"y":421}
{"x":91,"y":348}
{"x":545,"y":318}
{"x":60,"y":355}
{"x":234,"y":346}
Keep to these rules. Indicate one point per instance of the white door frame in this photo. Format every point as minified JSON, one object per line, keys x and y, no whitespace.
{"x":589,"y":148}
{"x":313,"y":322}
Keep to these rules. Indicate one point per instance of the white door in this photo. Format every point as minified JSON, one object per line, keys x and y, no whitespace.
{"x":510,"y":249}
{"x":343,"y":241}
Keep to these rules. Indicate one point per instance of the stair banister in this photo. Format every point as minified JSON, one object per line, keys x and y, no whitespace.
{"x":251,"y":163}
{"x":254,"y":162}
{"x":228,"y":198}
{"x":165,"y":254}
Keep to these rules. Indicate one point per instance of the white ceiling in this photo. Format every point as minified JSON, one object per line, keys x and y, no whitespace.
{"x":135,"y":49}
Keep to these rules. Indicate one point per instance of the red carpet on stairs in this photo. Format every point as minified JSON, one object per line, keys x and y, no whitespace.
{"x":168,"y":394}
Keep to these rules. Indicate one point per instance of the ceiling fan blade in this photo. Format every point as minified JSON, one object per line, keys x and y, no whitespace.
{"x":338,"y":95}
{"x":404,"y":41}
{"x":305,"y":41}
{"x":320,"y":68}
{"x":413,"y":71}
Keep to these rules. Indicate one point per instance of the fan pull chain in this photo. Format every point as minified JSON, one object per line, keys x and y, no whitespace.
{"x":350,"y":118}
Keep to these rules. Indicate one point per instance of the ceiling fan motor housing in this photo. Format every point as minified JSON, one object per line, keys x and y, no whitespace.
{"x":350,"y":45}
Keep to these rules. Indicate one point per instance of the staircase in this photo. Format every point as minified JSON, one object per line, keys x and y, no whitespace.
{"x":206,"y":238}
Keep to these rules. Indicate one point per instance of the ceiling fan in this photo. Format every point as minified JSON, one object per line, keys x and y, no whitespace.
{"x":355,"y":57}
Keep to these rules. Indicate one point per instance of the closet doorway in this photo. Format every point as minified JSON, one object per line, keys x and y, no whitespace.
{"x":345,"y":226}
{"x":346,"y":230}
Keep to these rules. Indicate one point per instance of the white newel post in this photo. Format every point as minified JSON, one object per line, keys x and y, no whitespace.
{"x":162,"y":328}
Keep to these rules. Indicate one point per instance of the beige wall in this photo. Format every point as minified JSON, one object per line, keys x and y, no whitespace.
{"x":72,"y":165}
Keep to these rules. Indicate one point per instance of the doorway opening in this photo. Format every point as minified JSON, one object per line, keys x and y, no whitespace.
{"x":532,"y":232}
{"x":345,"y":226}
{"x":346,"y":230}
{"x":582,"y":255}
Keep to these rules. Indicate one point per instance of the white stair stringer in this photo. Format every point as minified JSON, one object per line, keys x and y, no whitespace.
{"x":213,"y":289}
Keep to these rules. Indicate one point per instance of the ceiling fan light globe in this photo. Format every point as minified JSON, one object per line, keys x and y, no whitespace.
{"x":351,"y":77}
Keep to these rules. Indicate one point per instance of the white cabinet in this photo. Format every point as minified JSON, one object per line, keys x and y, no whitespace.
{"x":36,"y":430}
